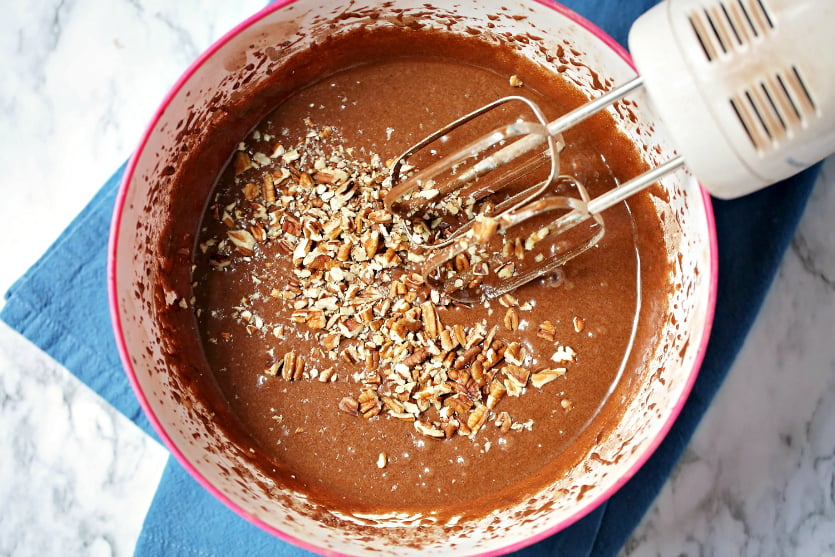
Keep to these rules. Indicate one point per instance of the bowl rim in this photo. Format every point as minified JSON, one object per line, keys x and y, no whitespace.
{"x":121,"y":345}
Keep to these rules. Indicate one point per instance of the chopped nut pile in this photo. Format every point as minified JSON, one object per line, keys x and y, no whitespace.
{"x":354,"y":290}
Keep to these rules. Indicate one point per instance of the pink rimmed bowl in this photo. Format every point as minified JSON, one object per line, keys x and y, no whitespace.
{"x":149,"y":269}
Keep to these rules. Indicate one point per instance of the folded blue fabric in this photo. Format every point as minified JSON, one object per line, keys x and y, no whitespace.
{"x":60,"y":304}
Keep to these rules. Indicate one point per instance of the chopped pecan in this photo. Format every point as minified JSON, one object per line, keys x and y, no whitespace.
{"x":344,"y":252}
{"x":371,"y":243}
{"x":242,"y":162}
{"x":511,"y":319}
{"x":250,"y":191}
{"x":503,"y":422}
{"x":431,"y":321}
{"x":316,"y":319}
{"x":461,"y":262}
{"x":369,"y":404}
{"x":242,"y":240}
{"x":393,"y":405}
{"x":327,"y":374}
{"x":545,"y":376}
{"x":516,"y":378}
{"x":476,"y":418}
{"x":477,"y":373}
{"x":458,"y":403}
{"x":349,"y":405}
{"x":372,"y":361}
{"x":288,"y":366}
{"x":417,"y":357}
{"x":515,"y":354}
{"x":429,"y":430}
{"x":448,"y":340}
{"x":258,"y":232}
{"x":466,"y":357}
{"x":484,"y":228}
{"x":496,"y":393}
{"x":306,"y":181}
{"x":547,"y":330}
{"x":268,"y":189}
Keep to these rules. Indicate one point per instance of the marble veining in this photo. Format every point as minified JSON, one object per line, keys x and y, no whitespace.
{"x":82,"y":78}
{"x":759,"y":476}
{"x":77,"y":476}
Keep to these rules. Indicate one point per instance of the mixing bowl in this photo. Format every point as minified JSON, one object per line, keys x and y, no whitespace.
{"x":165,"y":191}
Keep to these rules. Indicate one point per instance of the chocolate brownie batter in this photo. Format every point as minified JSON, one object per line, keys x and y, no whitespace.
{"x":349,"y":374}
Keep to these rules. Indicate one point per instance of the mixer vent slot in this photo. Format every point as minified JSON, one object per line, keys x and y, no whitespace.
{"x":772,"y":109}
{"x":730,"y":25}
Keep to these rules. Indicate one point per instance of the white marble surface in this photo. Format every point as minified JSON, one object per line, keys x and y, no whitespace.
{"x":81,"y":78}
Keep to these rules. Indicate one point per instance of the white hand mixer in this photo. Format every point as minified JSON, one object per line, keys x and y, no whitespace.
{"x":746,"y":89}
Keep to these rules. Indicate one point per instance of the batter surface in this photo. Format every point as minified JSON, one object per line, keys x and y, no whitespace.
{"x":346,"y":370}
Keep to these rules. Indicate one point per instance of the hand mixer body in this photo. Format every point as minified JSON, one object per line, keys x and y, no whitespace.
{"x":746,"y":88}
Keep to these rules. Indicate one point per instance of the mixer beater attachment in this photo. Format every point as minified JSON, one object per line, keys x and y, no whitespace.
{"x":497,"y":213}
{"x":740,"y":85}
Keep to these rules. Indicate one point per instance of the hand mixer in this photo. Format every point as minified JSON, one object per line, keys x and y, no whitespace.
{"x":746,"y":89}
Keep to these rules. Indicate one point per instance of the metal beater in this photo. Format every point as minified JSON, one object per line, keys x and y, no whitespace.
{"x":746,"y":89}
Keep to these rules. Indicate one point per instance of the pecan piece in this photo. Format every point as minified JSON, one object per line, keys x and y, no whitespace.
{"x":350,"y":327}
{"x":496,"y":393}
{"x":476,"y":418}
{"x":258,"y":232}
{"x":425,"y":428}
{"x":458,"y":403}
{"x":298,"y":366}
{"x":417,"y":357}
{"x":507,"y":270}
{"x":242,"y":162}
{"x":250,"y":191}
{"x":516,"y":378}
{"x":371,"y":243}
{"x":449,"y":428}
{"x":331,"y":341}
{"x":243,"y":241}
{"x":306,"y":181}
{"x":288,"y":365}
{"x":431,"y":322}
{"x":448,"y":340}
{"x":393,"y":405}
{"x":397,"y":288}
{"x":459,"y":334}
{"x":316,"y":319}
{"x":467,"y":357}
{"x":344,"y":252}
{"x":503,"y":422}
{"x":511,"y":319}
{"x":545,"y":376}
{"x":327,"y":374}
{"x":268,"y":189}
{"x":477,"y":373}
{"x":515,"y":354}
{"x":461,"y":262}
{"x":372,"y":361}
{"x":484,"y":228}
{"x":369,"y":404}
{"x":547,"y":330}
{"x":508,"y":300}
{"x":349,"y":405}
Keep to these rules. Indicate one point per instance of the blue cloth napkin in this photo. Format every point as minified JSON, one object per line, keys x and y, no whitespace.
{"x":60,"y":304}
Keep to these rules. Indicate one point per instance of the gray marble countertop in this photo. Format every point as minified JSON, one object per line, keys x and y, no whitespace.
{"x":81,"y":79}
